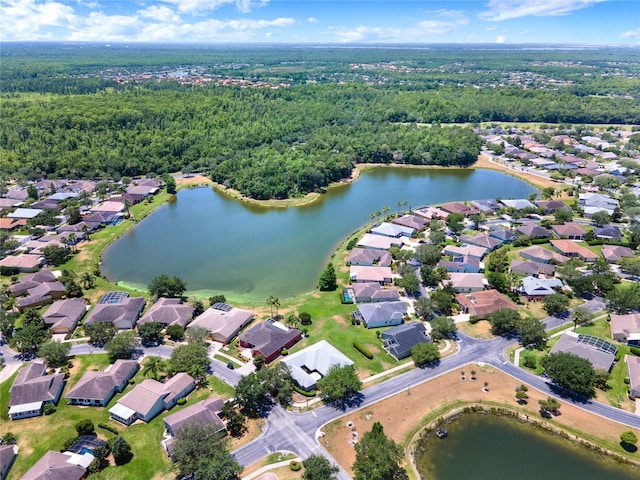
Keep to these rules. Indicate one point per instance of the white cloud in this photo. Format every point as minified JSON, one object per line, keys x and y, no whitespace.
{"x":439,"y":26}
{"x":631,"y":33}
{"x":198,"y":7}
{"x":508,"y":9}
{"x":312,"y":20}
{"x":160,"y":14}
{"x":26,"y":19}
{"x":501,"y":39}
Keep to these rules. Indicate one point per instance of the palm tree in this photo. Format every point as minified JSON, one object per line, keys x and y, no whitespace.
{"x":153,"y":366}
{"x":273,"y":302}
{"x":73,"y":242}
{"x":127,"y":206}
{"x":88,"y":280}
{"x":399,"y":204}
{"x":85,"y":230}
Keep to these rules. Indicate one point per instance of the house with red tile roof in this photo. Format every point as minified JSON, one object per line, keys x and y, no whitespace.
{"x":569,"y":248}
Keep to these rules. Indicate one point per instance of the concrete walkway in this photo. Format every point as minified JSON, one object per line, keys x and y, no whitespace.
{"x":271,"y":466}
{"x":9,"y":370}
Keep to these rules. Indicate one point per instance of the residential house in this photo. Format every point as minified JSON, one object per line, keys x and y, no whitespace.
{"x":8,"y":454}
{"x":63,"y":315}
{"x":411,"y":221}
{"x":535,"y":288}
{"x":371,"y":292}
{"x":149,"y":398}
{"x":204,"y":412}
{"x":481,"y":240}
{"x":542,"y":255}
{"x":613,"y":253}
{"x":383,"y":314}
{"x":458,"y":207}
{"x":518,"y":204}
{"x":223,"y":321}
{"x":41,"y":294}
{"x":569,"y":248}
{"x":28,"y":282}
{"x":486,"y":206}
{"x":569,"y":230}
{"x":462,"y":265}
{"x":626,"y":328}
{"x":269,"y":338}
{"x":381,"y":275}
{"x":313,"y":362}
{"x":168,"y":311}
{"x":24,"y":262}
{"x":633,"y":372}
{"x":9,"y":224}
{"x":399,"y":341}
{"x":531,"y":268}
{"x":26,"y":213}
{"x":117,"y":308}
{"x":608,"y":232}
{"x":56,"y":466}
{"x":599,"y":352}
{"x":32,"y":389}
{"x":465,"y":251}
{"x":97,"y":388}
{"x":532,"y":230}
{"x":369,"y":257}
{"x":503,"y":234}
{"x":550,"y":206}
{"x":392,"y":230}
{"x":378,"y":242}
{"x":596,"y":202}
{"x":431,"y":213}
{"x":485,"y":302}
{"x":466,"y":282}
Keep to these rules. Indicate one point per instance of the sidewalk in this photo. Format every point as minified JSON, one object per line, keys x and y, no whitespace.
{"x":271,"y":466}
{"x":9,"y":370}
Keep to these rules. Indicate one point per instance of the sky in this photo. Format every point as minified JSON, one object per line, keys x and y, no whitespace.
{"x":322,"y":21}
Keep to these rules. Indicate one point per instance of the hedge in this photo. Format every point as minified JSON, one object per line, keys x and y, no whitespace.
{"x":635,"y":351}
{"x":108,"y":428}
{"x":363,"y":350}
{"x":310,"y":394}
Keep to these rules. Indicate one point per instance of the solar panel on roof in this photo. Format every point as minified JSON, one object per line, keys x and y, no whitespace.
{"x":598,"y":343}
{"x":113,"y":297}
{"x":222,"y":307}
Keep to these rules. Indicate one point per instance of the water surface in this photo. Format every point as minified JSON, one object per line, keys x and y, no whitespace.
{"x":219,"y":244}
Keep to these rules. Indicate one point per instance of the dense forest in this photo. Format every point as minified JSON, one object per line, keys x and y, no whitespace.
{"x":64,"y":113}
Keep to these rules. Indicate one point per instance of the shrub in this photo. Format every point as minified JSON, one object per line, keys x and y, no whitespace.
{"x":49,"y":408}
{"x":108,"y":428}
{"x":363,"y":350}
{"x":67,"y":443}
{"x":132,"y":382}
{"x":85,"y":427}
{"x":635,"y":351}
{"x":8,"y":271}
{"x":530,"y":361}
{"x":473,"y":319}
{"x":284,"y":351}
{"x":305,"y":318}
{"x":352,"y":243}
{"x":181,"y":401}
{"x":627,"y":380}
{"x":295,"y":466}
{"x":302,"y":392}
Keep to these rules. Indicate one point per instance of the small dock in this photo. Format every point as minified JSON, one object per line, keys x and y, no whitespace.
{"x":442,"y":432}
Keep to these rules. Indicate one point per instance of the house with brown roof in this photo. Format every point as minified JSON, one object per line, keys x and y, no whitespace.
{"x":269,"y":338}
{"x":569,"y":248}
{"x":458,"y":207}
{"x":8,"y":454}
{"x":24,"y":262}
{"x":633,"y":372}
{"x":613,"y":253}
{"x":550,"y":206}
{"x":466,"y":282}
{"x":532,"y":230}
{"x":542,"y":255}
{"x":535,"y":269}
{"x":63,"y":315}
{"x":378,"y":242}
{"x":625,"y":328}
{"x":55,"y":466}
{"x":431,"y":213}
{"x":472,"y":251}
{"x":41,"y":294}
{"x":481,"y":240}
{"x":117,"y":308}
{"x":411,"y":221}
{"x":369,"y":257}
{"x":223,"y":321}
{"x":381,"y":275}
{"x":204,"y":412}
{"x":149,"y":398}
{"x":96,"y":389}
{"x":9,"y":224}
{"x":32,"y":389}
{"x":168,"y":311}
{"x":569,"y":230}
{"x":485,"y":302}
{"x":371,"y":292}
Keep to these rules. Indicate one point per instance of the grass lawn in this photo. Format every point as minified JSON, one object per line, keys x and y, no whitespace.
{"x":481,"y":329}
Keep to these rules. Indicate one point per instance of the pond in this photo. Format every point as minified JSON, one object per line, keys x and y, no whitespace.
{"x":221,"y":245}
{"x":482,"y":446}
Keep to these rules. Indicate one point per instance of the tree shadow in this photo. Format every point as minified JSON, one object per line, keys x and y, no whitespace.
{"x":342,"y":404}
{"x":629,"y":447}
{"x":567,"y":394}
{"x":430,"y":365}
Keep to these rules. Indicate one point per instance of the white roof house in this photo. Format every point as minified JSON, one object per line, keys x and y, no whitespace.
{"x":310,"y":364}
{"x":392,"y":230}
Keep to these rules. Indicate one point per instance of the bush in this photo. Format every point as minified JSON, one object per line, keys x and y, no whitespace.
{"x":304,"y":393}
{"x":67,"y":443}
{"x":49,"y":408}
{"x":85,"y":427}
{"x":473,"y":319}
{"x":8,"y":271}
{"x":530,"y":361}
{"x":305,"y":318}
{"x":635,"y":351}
{"x":181,"y":401}
{"x":132,"y":381}
{"x":627,"y":380}
{"x":284,"y":352}
{"x":363,"y":350}
{"x":352,"y":243}
{"x":295,"y":466}
{"x":108,"y":428}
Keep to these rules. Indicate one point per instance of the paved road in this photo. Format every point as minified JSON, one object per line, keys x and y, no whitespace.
{"x":593,"y":305}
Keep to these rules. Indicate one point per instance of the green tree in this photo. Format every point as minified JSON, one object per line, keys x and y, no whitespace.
{"x":88,"y":280}
{"x":153,"y":367}
{"x":571,"y":372}
{"x":504,"y":321}
{"x":442,"y":300}
{"x":85,"y":427}
{"x":628,"y":437}
{"x":428,"y":254}
{"x":191,"y":358}
{"x":100,"y":333}
{"x":600,"y":219}
{"x":150,"y":333}
{"x":556,"y":303}
{"x":120,"y":450}
{"x":122,"y":345}
{"x":532,"y":333}
{"x":171,"y":185}
{"x":197,"y":335}
{"x":549,"y":405}
{"x":175,"y":332}
{"x":443,"y":327}
{"x":55,"y":255}
{"x":580,"y":315}
{"x":378,"y":457}
{"x":252,"y":396}
{"x":54,"y":353}
{"x":317,"y":467}
{"x":498,"y":260}
{"x":278,"y":382}
{"x":273,"y":302}
{"x":198,"y":307}
{"x":630,"y":265}
{"x":423,"y":308}
{"x":235,"y":420}
{"x":166,"y":286}
{"x":259,"y":362}
{"x":199,"y":450}
{"x":563,"y":216}
{"x":328,"y":280}
{"x":408,"y":281}
{"x":340,"y":384}
{"x":27,"y":340}
{"x":425,"y":354}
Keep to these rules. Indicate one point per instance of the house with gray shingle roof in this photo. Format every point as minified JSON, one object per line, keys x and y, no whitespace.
{"x":8,"y":454}
{"x":269,"y":338}
{"x":503,"y":234}
{"x":168,"y":311}
{"x":96,"y":389}
{"x":532,"y":230}
{"x":383,"y":314}
{"x":32,"y":389}
{"x":369,"y":257}
{"x":55,"y":466}
{"x":63,"y":315}
{"x":518,"y":203}
{"x":223,"y":321}
{"x":381,"y":275}
{"x":599,"y":352}
{"x":633,"y":372}
{"x":204,"y":412}
{"x":569,"y":230}
{"x":372,"y":292}
{"x":411,"y":221}
{"x":123,"y":314}
{"x":613,"y":253}
{"x":486,"y":206}
{"x":481,"y":240}
{"x":608,"y":232}
{"x":399,"y":341}
{"x":526,"y":268}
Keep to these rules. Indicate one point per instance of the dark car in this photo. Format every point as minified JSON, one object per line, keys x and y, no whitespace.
{"x":230,"y":366}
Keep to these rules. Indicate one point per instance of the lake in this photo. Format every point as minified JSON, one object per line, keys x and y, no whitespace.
{"x":221,"y":245}
{"x":491,"y":447}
